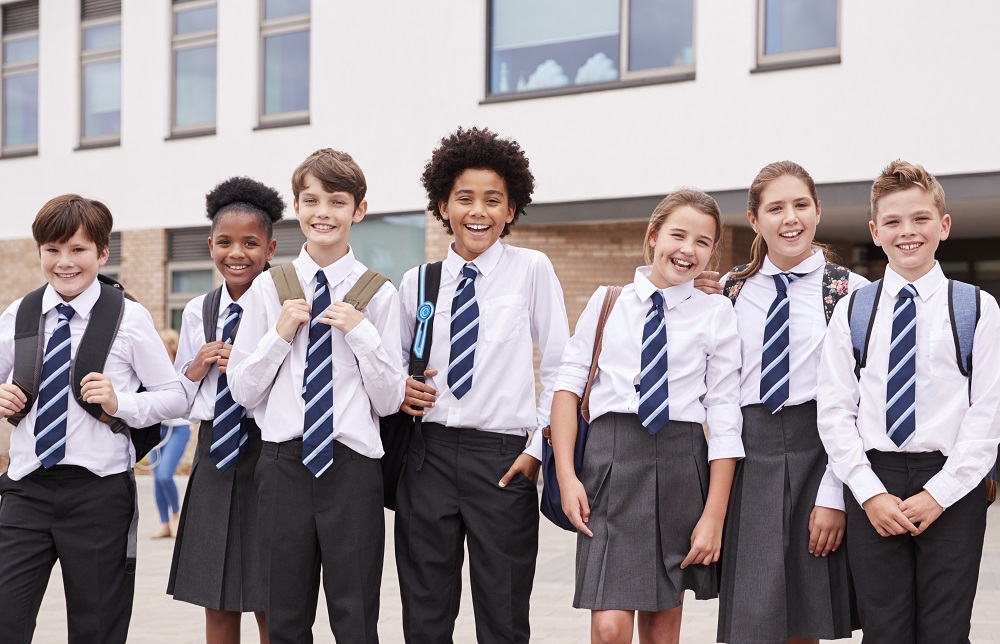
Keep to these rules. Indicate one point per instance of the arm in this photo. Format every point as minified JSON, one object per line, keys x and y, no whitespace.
{"x":194,"y":356}
{"x":575,"y":504}
{"x":722,"y":384}
{"x":706,"y":539}
{"x":12,"y":399}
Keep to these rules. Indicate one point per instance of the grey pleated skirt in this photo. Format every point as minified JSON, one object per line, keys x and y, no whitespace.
{"x":772,"y":588}
{"x":646,"y":494}
{"x":217,"y":561}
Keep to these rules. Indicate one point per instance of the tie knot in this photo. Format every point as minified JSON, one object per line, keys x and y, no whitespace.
{"x":909,"y":292}
{"x":320,"y":277}
{"x":235,"y":309}
{"x":782,"y":280}
{"x":469,"y":271}
{"x":657,"y":298}
{"x":65,"y":311}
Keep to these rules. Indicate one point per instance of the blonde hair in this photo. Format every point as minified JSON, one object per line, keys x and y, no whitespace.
{"x":901,"y":175}
{"x":170,"y":340}
{"x":693,"y":197}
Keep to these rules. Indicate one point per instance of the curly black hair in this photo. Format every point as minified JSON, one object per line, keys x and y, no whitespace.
{"x":480,"y":149}
{"x":245,"y":195}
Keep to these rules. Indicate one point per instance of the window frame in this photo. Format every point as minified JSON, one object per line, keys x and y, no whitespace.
{"x":104,"y":55}
{"x":277,"y":27}
{"x":794,"y":59}
{"x":626,"y":78}
{"x":8,"y":70}
{"x":191,"y":41}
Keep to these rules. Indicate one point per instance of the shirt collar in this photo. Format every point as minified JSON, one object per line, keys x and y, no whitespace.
{"x":926,"y":285}
{"x":225,"y":301}
{"x":335,"y":273}
{"x":672,"y":296}
{"x":485,"y":263}
{"x":82,"y":304}
{"x":808,"y":265}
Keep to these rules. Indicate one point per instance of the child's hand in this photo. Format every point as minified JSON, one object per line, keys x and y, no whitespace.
{"x":207,"y":355}
{"x":224,"y":352}
{"x":575,"y":504}
{"x":294,"y":315}
{"x":826,"y":530}
{"x":342,"y":316}
{"x":922,"y":510}
{"x":886,"y":517}
{"x":12,"y":399}
{"x":525,"y":464}
{"x":706,"y":542}
{"x":419,"y":395}
{"x":97,"y":390}
{"x":708,"y":283}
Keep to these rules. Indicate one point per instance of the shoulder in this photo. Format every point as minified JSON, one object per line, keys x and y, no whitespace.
{"x":136,"y":319}
{"x":529,"y":257}
{"x":194,"y":306}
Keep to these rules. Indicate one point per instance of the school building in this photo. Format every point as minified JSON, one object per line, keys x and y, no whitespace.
{"x":147,"y":104}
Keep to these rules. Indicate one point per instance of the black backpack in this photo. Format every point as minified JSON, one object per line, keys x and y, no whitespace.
{"x":105,"y":318}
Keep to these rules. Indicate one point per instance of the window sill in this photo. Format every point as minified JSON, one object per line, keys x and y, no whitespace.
{"x":18,"y":154}
{"x":584,"y":89}
{"x":795,"y":64}
{"x":279,"y":122}
{"x":94,"y":145}
{"x":190,"y":134}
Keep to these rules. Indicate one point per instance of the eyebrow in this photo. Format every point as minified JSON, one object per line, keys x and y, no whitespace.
{"x":471,"y":191}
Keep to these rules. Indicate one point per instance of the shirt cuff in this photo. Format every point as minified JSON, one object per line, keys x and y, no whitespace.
{"x":865,"y":484}
{"x":725,"y":447}
{"x":571,"y":380}
{"x":363,"y":338}
{"x":534,"y":448}
{"x":945,"y":489}
{"x":275,"y":348}
{"x":128,"y":407}
{"x":831,"y":496}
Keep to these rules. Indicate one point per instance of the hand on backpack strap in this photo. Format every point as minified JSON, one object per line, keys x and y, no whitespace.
{"x":295,"y":314}
{"x":419,"y":395}
{"x":207,"y":355}
{"x":12,"y":399}
{"x":97,"y":389}
{"x":342,"y":316}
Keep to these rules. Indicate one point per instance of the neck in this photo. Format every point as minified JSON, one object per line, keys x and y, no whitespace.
{"x":324,"y":256}
{"x":912,"y":274}
{"x":236,"y":291}
{"x":784,"y":263}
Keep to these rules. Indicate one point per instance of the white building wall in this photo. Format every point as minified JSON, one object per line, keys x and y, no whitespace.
{"x":918,"y":80}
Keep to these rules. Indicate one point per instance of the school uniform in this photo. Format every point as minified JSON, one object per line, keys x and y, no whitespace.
{"x":772,"y":587}
{"x":333,"y":521}
{"x":914,"y":589}
{"x":470,"y":438}
{"x":647,"y":490}
{"x":79,"y":510}
{"x":216,"y":561}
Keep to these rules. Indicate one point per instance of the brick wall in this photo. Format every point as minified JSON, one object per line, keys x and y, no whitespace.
{"x":22,"y":270}
{"x":144,"y":270}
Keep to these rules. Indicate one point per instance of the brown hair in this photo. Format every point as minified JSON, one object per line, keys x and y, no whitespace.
{"x":336,"y":170}
{"x":62,"y":216}
{"x":170,"y":340}
{"x":901,"y":175}
{"x":767,"y":174}
{"x":693,"y":197}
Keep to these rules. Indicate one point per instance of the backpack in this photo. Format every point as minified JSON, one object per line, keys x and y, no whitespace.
{"x":91,"y":355}
{"x":964,"y":311}
{"x":835,"y":282}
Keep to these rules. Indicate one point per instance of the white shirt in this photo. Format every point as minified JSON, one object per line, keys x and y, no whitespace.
{"x":852,"y":413}
{"x":806,"y":330}
{"x":520,"y":301}
{"x":265,"y":372}
{"x":703,"y":359}
{"x":137,"y":356}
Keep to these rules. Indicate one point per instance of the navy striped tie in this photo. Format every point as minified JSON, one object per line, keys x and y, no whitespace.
{"x":53,"y":394}
{"x":317,"y":386}
{"x":901,"y":386}
{"x":654,"y":402}
{"x":464,"y":333}
{"x":228,"y":435}
{"x":774,"y":354}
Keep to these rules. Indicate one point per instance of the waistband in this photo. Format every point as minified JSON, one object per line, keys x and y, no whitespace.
{"x":470,"y":436}
{"x":909,"y":459}
{"x":293,"y":447}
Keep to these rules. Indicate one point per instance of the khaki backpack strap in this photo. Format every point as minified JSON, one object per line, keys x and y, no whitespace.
{"x":365,"y":289}
{"x":610,"y":297}
{"x":286,"y":282}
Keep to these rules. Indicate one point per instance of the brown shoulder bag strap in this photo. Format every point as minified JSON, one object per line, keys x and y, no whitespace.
{"x":610,"y":297}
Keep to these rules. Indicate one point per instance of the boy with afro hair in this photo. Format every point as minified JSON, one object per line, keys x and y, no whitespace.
{"x":469,"y":471}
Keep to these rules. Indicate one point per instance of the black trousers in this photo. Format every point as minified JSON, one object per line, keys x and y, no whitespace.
{"x":81,"y":519}
{"x":916,"y":590}
{"x":332,"y":525}
{"x":454,"y":497}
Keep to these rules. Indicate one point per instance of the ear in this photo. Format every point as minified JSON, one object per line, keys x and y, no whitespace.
{"x":269,"y":255}
{"x":443,"y":208}
{"x":752,"y":219}
{"x":874,"y":231}
{"x":945,"y":226}
{"x":211,"y":245}
{"x":102,"y":257}
{"x":359,"y":212}
{"x":295,"y":205}
{"x":819,"y":210}
{"x":510,"y":214}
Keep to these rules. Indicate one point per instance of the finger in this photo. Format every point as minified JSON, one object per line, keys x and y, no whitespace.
{"x":16,"y":395}
{"x":585,"y":508}
{"x":416,"y":385}
{"x":407,"y":408}
{"x":691,"y":556}
{"x":823,"y":543}
{"x":505,"y":479}
{"x":707,"y":560}
{"x":813,"y":538}
{"x":430,"y":373}
{"x":905,"y":523}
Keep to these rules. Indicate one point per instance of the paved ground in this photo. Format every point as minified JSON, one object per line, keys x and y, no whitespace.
{"x":158,"y":618}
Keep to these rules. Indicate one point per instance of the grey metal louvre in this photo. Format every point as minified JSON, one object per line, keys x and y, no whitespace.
{"x":100,"y":8}
{"x":290,"y":238}
{"x":115,"y":249}
{"x":20,"y":16}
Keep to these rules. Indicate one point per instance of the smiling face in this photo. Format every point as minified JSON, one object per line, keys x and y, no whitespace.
{"x":787,"y":219}
{"x":682,"y":246}
{"x":909,"y":227}
{"x":240,"y":247}
{"x":325,"y":219}
{"x":477,"y":209}
{"x":71,"y":266}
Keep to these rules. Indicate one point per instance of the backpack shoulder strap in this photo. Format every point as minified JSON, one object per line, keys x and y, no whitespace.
{"x":861,"y":312}
{"x":210,"y":312}
{"x":286,"y":282}
{"x":964,"y":309}
{"x":610,"y":297}
{"x":836,"y":279}
{"x":28,"y":347}
{"x":365,"y":289}
{"x":732,"y":287}
{"x":429,"y":283}
{"x":105,"y":319}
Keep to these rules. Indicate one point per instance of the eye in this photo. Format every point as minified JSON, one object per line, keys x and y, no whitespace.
{"x":251,"y":244}
{"x":310,"y":201}
{"x":677,"y":236}
{"x":703,"y":243}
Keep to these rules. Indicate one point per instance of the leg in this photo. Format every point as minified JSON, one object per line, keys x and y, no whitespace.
{"x":28,"y":556}
{"x":611,"y":626}
{"x":261,"y":626}
{"x":169,"y":459}
{"x":222,"y":627}
{"x":662,"y":626}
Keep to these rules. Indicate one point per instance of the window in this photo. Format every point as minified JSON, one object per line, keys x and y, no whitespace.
{"x":194,"y":67}
{"x":793,"y":33}
{"x":284,"y":56}
{"x":561,"y":46}
{"x":19,"y":88}
{"x":100,"y":72}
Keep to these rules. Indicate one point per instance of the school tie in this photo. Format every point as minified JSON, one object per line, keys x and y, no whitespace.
{"x":774,"y":355}
{"x":901,"y":386}
{"x":654,"y":403}
{"x":317,"y":386}
{"x":53,"y":394}
{"x":464,"y":333}
{"x":228,"y":435}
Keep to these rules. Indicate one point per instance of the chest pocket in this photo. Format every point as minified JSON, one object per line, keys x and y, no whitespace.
{"x":942,"y":355}
{"x":504,"y":318}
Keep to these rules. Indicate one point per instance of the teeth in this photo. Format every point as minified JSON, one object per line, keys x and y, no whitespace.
{"x":789,"y":235}
{"x":682,"y":263}
{"x":477,"y":226}
{"x":238,"y":267}
{"x":909,"y":246}
{"x":322,"y":227}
